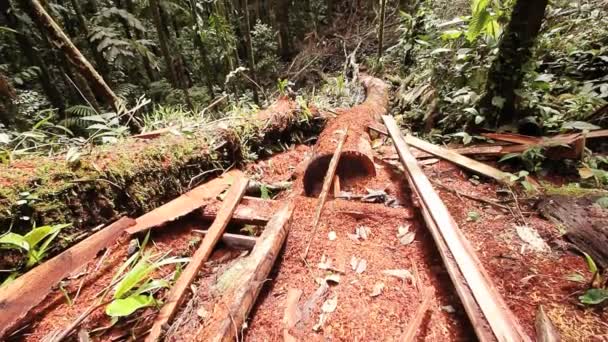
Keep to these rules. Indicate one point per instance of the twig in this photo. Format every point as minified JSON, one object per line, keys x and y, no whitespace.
{"x":329,"y":177}
{"x":213,"y":104}
{"x":67,"y":331}
{"x":479,"y":199}
{"x":412,"y":328}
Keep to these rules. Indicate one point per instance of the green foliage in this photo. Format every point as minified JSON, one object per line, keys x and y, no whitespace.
{"x":265,"y":47}
{"x":136,"y":287}
{"x":594,"y":296}
{"x":531,"y":158}
{"x":36,"y":243}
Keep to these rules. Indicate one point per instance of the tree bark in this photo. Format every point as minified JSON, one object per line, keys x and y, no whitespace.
{"x":381,"y":29}
{"x":152,"y":75}
{"x":515,"y":49}
{"x":206,"y":72}
{"x":164,"y":47}
{"x":84,"y":67}
{"x":249,"y":47}
{"x":7,"y":107}
{"x":282,"y":18}
{"x":100,"y":61}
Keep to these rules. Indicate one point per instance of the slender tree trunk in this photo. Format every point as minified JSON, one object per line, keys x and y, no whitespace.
{"x":515,"y":49}
{"x":84,"y":67}
{"x":381,"y":29}
{"x":100,"y":61}
{"x":164,"y":47}
{"x":282,"y":13}
{"x":27,"y":46}
{"x":147,"y":65}
{"x":250,"y":52}
{"x":123,"y":21}
{"x":7,"y":106}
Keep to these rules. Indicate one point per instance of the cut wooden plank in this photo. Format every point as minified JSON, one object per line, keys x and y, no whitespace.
{"x":251,"y":210}
{"x":329,"y":177}
{"x":20,"y":296}
{"x":467,"y":163}
{"x":478,"y":321}
{"x":185,"y":203}
{"x":215,"y":232}
{"x":234,"y":240}
{"x":414,"y":324}
{"x":291,"y":315}
{"x":238,"y":287}
{"x":503,"y":323}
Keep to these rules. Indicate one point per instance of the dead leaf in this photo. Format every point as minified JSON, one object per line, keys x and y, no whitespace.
{"x":402,"y":230}
{"x":377,"y":289}
{"x":202,"y":313}
{"x":353,"y":262}
{"x":330,"y":305}
{"x":325,"y":263}
{"x":545,"y":329}
{"x":532,"y":238}
{"x":353,"y":237}
{"x":361,"y":266}
{"x":363,"y":232}
{"x":332,"y":236}
{"x":407,"y":238}
{"x":400,"y":273}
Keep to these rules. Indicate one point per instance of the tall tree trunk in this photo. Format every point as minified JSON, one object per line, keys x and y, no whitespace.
{"x":381,"y":29}
{"x":27,"y":46}
{"x":282,"y":17}
{"x":7,"y":105}
{"x":123,"y":21}
{"x":164,"y":47}
{"x":515,"y":49}
{"x":249,"y":46}
{"x":84,"y":67}
{"x":100,"y":61}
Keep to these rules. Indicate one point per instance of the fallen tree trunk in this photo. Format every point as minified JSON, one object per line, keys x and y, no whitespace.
{"x":238,"y":287}
{"x":357,"y":156}
{"x":135,"y":176}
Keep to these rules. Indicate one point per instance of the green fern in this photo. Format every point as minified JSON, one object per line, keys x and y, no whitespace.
{"x":479,"y":18}
{"x":75,"y":117}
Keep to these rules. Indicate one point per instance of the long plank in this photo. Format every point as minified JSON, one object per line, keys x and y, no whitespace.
{"x":412,"y":327}
{"x":20,"y":296}
{"x":329,"y":177}
{"x":186,"y":203}
{"x":503,"y":323}
{"x":214,"y":234}
{"x":476,"y":317}
{"x":245,"y":279}
{"x":456,"y":158}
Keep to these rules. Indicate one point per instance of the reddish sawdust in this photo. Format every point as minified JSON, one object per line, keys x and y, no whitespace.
{"x":280,"y":167}
{"x":176,"y":239}
{"x":358,"y":315}
{"x":525,"y":278}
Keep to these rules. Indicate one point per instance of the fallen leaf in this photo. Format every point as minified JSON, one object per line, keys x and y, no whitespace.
{"x":532,"y":238}
{"x":330,"y":305}
{"x":332,"y":236}
{"x":545,"y":329}
{"x":407,"y":238}
{"x":448,"y":309}
{"x":353,"y":237}
{"x":202,"y":313}
{"x":400,"y":273}
{"x":363,"y":232}
{"x":362,"y":266}
{"x":377,"y":289}
{"x":353,"y":262}
{"x":325,"y":263}
{"x":402,"y":230}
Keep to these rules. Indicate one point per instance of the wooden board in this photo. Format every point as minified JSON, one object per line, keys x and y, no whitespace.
{"x":20,"y":296}
{"x":245,"y":280}
{"x":186,"y":203}
{"x":234,"y":240}
{"x":454,"y":157}
{"x":214,"y":234}
{"x":503,"y":323}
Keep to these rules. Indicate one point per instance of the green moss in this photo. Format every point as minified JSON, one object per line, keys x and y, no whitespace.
{"x":571,"y":189}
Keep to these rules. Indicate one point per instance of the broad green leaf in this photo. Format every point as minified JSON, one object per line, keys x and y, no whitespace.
{"x":134,"y":277}
{"x":594,"y":296}
{"x":580,"y":125}
{"x":590,"y":263}
{"x":125,"y":307}
{"x":509,"y":156}
{"x":152,"y":285}
{"x":451,"y":34}
{"x":576,"y":277}
{"x":264,"y":192}
{"x":602,"y":202}
{"x":15,"y":240}
{"x":38,"y":234}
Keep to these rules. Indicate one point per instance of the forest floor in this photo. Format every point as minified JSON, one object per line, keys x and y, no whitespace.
{"x":368,"y":304}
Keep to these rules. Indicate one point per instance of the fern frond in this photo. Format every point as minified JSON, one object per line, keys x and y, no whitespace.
{"x":81,"y":111}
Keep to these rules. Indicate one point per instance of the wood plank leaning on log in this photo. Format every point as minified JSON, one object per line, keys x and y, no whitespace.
{"x":503,"y":323}
{"x":243,"y":281}
{"x":214,"y":233}
{"x":20,"y":296}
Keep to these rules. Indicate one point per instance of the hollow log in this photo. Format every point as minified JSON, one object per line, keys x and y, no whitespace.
{"x":238,"y":287}
{"x":357,"y":156}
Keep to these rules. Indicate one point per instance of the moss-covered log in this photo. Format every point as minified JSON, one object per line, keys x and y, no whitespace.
{"x":135,"y":176}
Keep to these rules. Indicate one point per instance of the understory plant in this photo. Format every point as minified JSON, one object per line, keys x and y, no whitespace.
{"x":598,"y":291}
